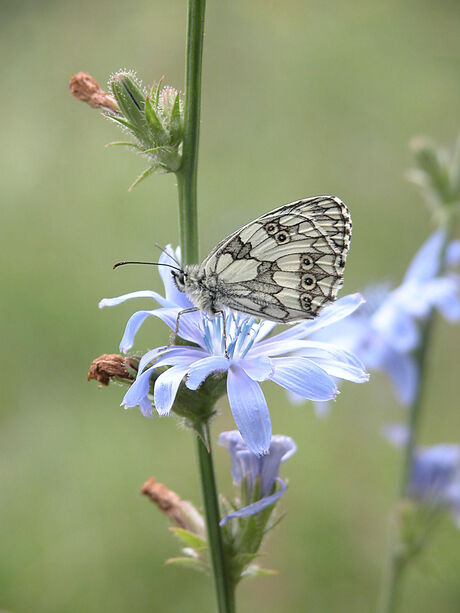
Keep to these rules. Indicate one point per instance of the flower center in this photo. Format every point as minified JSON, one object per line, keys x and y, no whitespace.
{"x":240,"y":334}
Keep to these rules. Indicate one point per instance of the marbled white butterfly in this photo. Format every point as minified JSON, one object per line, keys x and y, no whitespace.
{"x":283,"y":266}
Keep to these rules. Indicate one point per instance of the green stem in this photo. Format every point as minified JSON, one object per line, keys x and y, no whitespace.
{"x":225,"y":588}
{"x":397,"y":563}
{"x":188,"y":227}
{"x":187,"y":174}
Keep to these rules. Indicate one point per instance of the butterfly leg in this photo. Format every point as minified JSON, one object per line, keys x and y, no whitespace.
{"x":175,"y":334}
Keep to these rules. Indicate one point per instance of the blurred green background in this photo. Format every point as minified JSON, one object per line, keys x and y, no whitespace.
{"x":299,"y":98}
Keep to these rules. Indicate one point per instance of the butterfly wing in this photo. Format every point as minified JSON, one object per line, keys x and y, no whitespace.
{"x":285,"y":265}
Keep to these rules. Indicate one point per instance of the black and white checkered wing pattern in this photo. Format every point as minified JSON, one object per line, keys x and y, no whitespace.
{"x":287,"y":264}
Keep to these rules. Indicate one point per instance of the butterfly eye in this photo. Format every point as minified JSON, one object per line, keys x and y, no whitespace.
{"x":282,"y":237}
{"x":179,"y":279}
{"x":306,"y":262}
{"x":271,"y":228}
{"x":308,"y":281}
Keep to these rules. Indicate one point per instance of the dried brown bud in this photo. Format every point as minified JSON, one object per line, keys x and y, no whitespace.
{"x":108,"y":366}
{"x":182,"y":513}
{"x":84,"y":87}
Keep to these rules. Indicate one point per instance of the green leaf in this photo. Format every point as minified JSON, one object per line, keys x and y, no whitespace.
{"x":130,"y":98}
{"x":175,"y":126}
{"x":190,"y":538}
{"x":142,"y":176}
{"x":125,"y":123}
{"x":186,"y":562}
{"x":124,"y":144}
{"x":256,"y":571}
{"x":159,"y":134}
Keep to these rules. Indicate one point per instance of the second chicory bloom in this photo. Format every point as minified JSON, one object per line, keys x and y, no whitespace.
{"x":384,"y":332}
{"x":250,"y":470}
{"x":434,"y":474}
{"x":435,"y":478}
{"x":252,"y":356}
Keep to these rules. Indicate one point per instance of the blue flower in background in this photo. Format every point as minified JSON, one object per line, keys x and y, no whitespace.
{"x":385,"y":331}
{"x":435,"y":472}
{"x":252,"y":357}
{"x":249,"y":469}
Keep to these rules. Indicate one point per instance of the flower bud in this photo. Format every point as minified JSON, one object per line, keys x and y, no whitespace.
{"x":437,"y":173}
{"x":155,"y":121}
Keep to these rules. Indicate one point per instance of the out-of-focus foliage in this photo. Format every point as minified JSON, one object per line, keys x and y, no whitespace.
{"x":299,"y":98}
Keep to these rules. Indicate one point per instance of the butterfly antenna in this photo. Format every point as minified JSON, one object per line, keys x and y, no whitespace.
{"x":168,"y":254}
{"x":146,"y":263}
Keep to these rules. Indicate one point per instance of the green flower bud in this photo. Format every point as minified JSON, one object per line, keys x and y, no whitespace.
{"x":155,"y":121}
{"x":437,"y":174}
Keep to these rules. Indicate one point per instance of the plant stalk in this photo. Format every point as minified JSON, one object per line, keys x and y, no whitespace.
{"x":392,"y":585}
{"x":188,"y":229}
{"x":187,"y":174}
{"x":225,"y":588}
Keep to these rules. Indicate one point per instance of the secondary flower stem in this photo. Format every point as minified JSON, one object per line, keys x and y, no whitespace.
{"x":187,"y":184}
{"x":224,"y":586}
{"x":397,"y":563}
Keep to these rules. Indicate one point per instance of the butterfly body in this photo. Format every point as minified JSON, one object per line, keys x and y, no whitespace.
{"x":283,"y":266}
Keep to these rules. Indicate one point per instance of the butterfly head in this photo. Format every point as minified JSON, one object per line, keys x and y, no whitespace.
{"x":180,"y":279}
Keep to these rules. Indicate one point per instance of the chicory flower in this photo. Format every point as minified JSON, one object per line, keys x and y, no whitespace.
{"x":252,"y":356}
{"x":249,"y":470}
{"x":434,"y":475}
{"x":386,"y":330}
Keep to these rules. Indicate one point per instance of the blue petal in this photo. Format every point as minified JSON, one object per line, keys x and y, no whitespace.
{"x":330,"y":315}
{"x":174,"y":355}
{"x":189,"y":328}
{"x":425,"y":264}
{"x":402,"y":370}
{"x":256,"y":507}
{"x":445,"y":295}
{"x":203,"y":368}
{"x":342,"y":370}
{"x":166,"y":386}
{"x":146,"y":407}
{"x":259,"y":369}
{"x":453,"y":254}
{"x":249,"y":409}
{"x":172,"y":293}
{"x":325,"y":353}
{"x":149,"y":356}
{"x":134,"y":323}
{"x":303,"y":377}
{"x":397,"y":327}
{"x":335,"y":312}
{"x":108,"y":302}
{"x":231,"y":440}
{"x":138,"y":390}
{"x":281,"y":449}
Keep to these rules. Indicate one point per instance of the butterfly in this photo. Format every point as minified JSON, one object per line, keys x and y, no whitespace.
{"x":284,"y":266}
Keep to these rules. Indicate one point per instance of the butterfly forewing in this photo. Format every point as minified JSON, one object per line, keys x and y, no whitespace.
{"x":285,"y":265}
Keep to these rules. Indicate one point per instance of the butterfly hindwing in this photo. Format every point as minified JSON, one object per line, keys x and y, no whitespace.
{"x":285,"y":265}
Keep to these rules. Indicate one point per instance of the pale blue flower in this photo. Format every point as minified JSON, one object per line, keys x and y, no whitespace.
{"x":386,"y":330}
{"x":252,"y":357}
{"x":435,"y":472}
{"x":249,"y":469}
